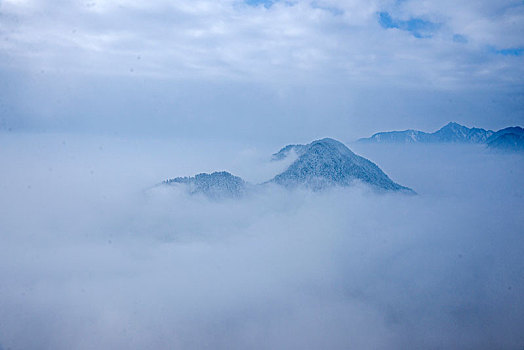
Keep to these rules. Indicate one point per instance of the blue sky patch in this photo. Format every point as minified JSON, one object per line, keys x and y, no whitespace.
{"x":266,"y":3}
{"x":386,"y":21}
{"x":418,"y":27}
{"x":517,"y":51}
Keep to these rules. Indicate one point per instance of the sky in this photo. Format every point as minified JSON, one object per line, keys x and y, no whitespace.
{"x":290,"y":71}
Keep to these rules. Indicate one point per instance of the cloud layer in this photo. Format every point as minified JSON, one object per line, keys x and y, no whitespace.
{"x":93,"y":258}
{"x":290,"y":71}
{"x":281,"y":41}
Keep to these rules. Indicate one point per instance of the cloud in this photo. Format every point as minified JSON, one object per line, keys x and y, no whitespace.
{"x":460,"y":38}
{"x":286,"y":41}
{"x":91,"y":260}
{"x":231,"y":69}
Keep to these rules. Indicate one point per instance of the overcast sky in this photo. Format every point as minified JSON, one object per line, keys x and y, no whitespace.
{"x":286,"y":70}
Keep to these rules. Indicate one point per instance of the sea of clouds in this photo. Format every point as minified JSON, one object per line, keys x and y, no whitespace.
{"x":94,"y":256}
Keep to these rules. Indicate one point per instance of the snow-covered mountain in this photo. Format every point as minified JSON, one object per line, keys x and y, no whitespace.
{"x":454,"y":132}
{"x":451,"y":132}
{"x":508,"y":139}
{"x":320,"y":164}
{"x":328,"y":162}
{"x":215,"y":185}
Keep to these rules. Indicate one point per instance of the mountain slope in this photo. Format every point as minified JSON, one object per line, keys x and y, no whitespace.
{"x":215,"y":185}
{"x":328,"y":162}
{"x":517,"y":130}
{"x":508,"y":139}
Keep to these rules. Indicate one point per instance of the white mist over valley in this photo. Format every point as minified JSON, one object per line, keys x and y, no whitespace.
{"x":94,"y":255}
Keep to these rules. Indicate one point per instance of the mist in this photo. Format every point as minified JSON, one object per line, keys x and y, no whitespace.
{"x":101,"y":101}
{"x":94,"y":255}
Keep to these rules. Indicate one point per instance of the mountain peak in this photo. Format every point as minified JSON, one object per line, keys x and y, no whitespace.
{"x":328,"y":162}
{"x":453,"y":127}
{"x":330,"y":145}
{"x":329,"y":142}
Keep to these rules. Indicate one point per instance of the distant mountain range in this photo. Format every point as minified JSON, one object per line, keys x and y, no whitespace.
{"x":508,"y":139}
{"x":321,"y":164}
{"x":452,"y":132}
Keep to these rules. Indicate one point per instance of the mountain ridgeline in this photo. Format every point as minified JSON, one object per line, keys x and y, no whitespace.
{"x":321,"y":164}
{"x":452,"y":132}
{"x":508,"y":139}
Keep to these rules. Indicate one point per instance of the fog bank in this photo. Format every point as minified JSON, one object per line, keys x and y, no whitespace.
{"x":93,"y":256}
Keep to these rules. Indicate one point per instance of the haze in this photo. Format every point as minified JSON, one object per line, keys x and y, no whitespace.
{"x":100,"y":101}
{"x":93,"y":257}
